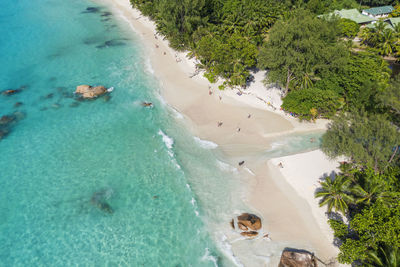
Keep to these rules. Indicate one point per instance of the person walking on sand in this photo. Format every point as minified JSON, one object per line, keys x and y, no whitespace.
{"x":219,"y":124}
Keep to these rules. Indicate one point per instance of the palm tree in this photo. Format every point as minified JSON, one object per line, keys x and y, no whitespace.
{"x":366,"y":36}
{"x":385,"y":256}
{"x":379,"y":27}
{"x":335,"y":194}
{"x":368,"y":194}
{"x":386,"y":42}
{"x":367,"y":189}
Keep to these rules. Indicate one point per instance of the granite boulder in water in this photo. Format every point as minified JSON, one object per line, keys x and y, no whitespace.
{"x":88,"y":91}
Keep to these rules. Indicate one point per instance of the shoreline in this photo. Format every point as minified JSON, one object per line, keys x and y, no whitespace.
{"x":289,"y":214}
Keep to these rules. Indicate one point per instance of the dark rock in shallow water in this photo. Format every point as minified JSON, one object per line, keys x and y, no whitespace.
{"x":115,"y":42}
{"x":49,"y":96}
{"x":3,"y":133}
{"x":91,"y":10}
{"x":7,"y":119}
{"x":18,"y":104}
{"x":9,"y":92}
{"x":74,"y":104}
{"x":111,"y":43}
{"x":104,"y":206}
{"x":106,"y":14}
{"x":93,"y":40}
{"x":43,"y":108}
{"x":52,"y":79}
{"x":7,"y":122}
{"x":99,"y":200}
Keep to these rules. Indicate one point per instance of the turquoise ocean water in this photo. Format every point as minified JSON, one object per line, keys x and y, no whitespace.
{"x":62,"y":158}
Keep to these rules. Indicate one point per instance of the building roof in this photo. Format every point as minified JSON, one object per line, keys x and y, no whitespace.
{"x":380,"y":10}
{"x":354,"y":15}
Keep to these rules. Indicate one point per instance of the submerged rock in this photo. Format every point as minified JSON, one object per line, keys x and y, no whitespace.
{"x":297,"y":258}
{"x":106,"y":14}
{"x":89,"y":92}
{"x":74,"y":104}
{"x":112,"y":43}
{"x":18,"y":104}
{"x":9,"y":92}
{"x":7,"y":119}
{"x":91,"y":10}
{"x":48,"y":96}
{"x":99,"y":199}
{"x":3,"y":133}
{"x":250,"y":221}
{"x":7,"y":122}
{"x":104,"y":206}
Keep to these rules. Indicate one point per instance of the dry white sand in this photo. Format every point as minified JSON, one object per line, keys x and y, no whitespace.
{"x":303,"y":172}
{"x":282,"y":197}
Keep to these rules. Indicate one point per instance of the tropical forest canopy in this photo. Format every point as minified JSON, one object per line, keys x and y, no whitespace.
{"x":323,"y":72}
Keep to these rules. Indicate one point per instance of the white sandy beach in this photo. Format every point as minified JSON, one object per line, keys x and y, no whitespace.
{"x":283,"y":197}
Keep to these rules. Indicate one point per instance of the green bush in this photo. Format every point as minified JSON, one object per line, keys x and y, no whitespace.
{"x":348,"y":28}
{"x":304,"y":102}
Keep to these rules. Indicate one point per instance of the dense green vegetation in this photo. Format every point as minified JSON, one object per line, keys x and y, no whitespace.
{"x":382,"y":39}
{"x":223,"y":35}
{"x":366,"y":139}
{"x":371,"y":200}
{"x":348,"y":28}
{"x":367,"y":191}
{"x":304,"y":52}
{"x":321,"y":74}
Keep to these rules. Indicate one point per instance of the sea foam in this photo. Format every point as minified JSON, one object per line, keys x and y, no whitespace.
{"x":207,"y":256}
{"x":205,"y":143}
{"x":168,"y":141}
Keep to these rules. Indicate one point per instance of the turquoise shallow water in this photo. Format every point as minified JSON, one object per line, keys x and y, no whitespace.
{"x":64,"y":157}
